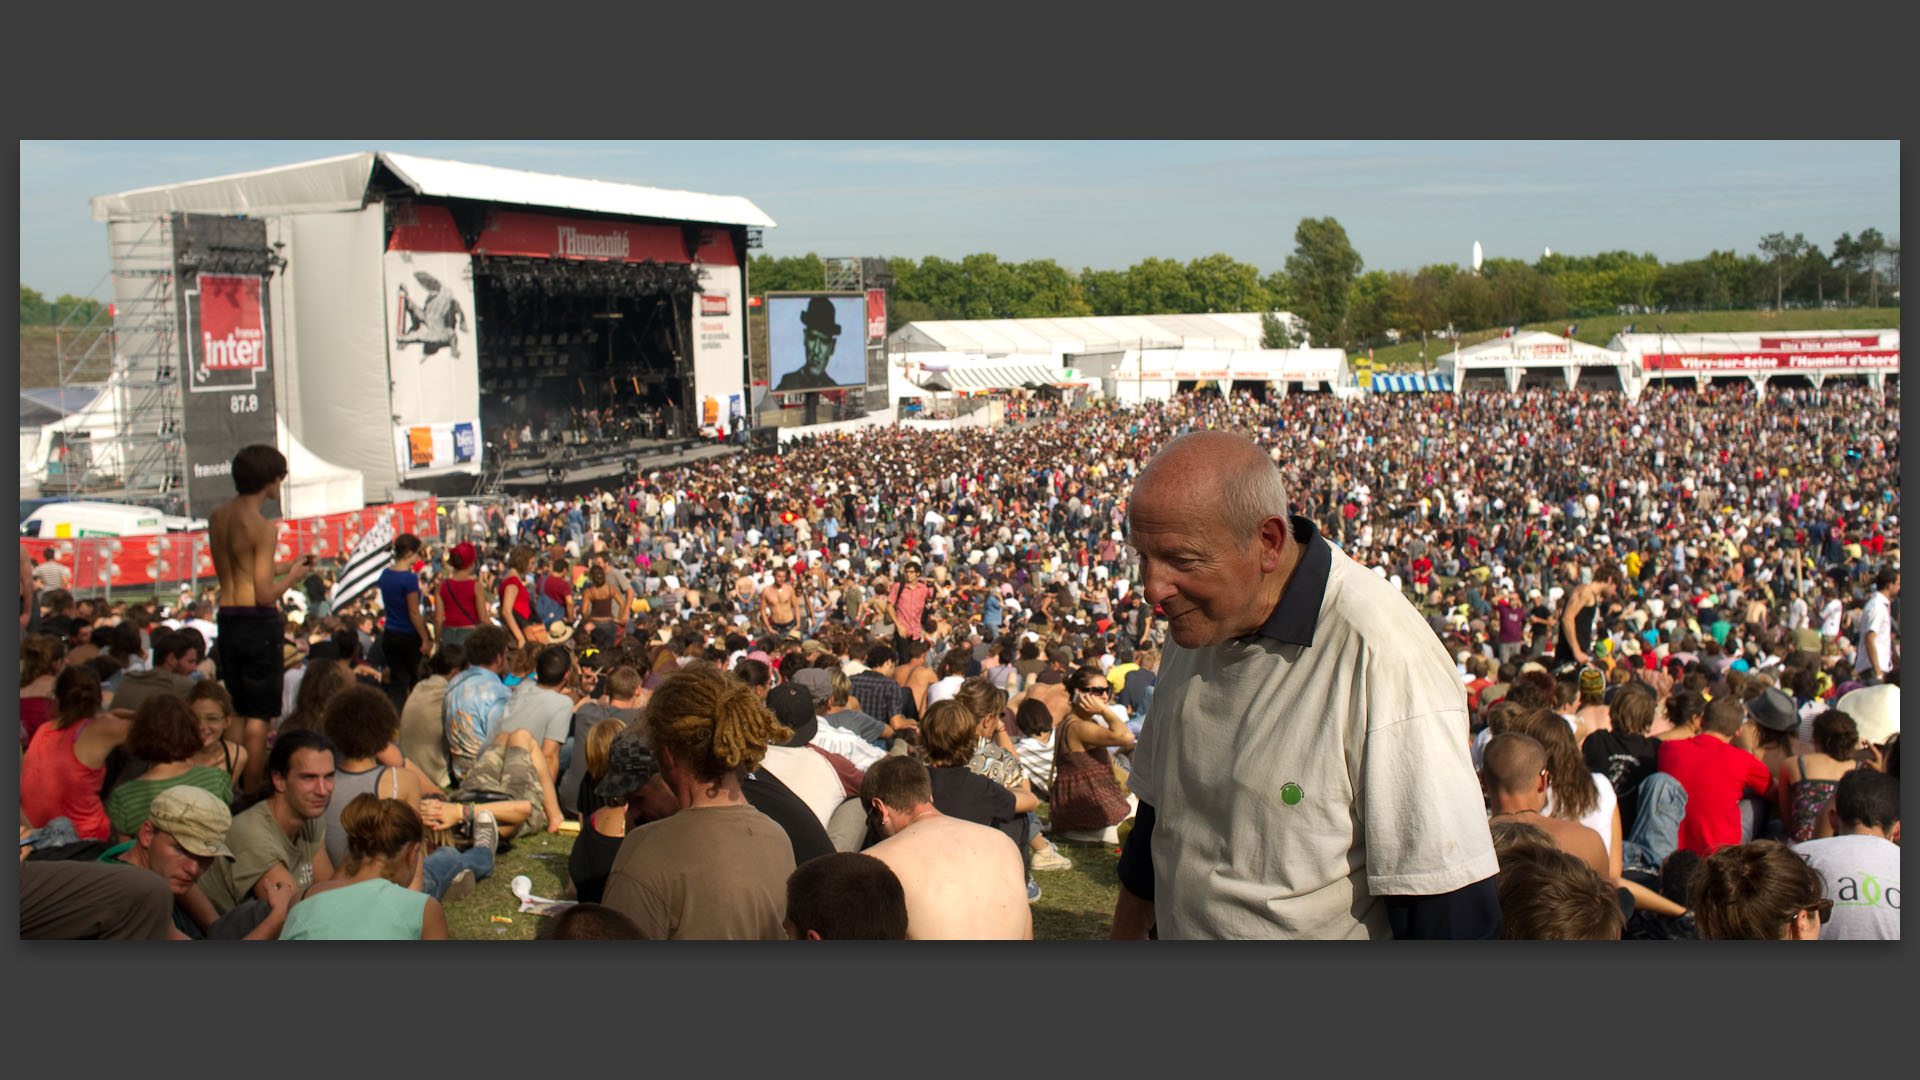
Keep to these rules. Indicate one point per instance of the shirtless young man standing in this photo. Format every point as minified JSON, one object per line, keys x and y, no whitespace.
{"x":962,"y":881}
{"x":242,"y":542}
{"x":1583,"y":607}
{"x":779,"y":607}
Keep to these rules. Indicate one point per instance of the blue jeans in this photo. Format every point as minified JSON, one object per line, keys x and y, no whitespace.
{"x":1656,"y":829}
{"x":447,"y":860}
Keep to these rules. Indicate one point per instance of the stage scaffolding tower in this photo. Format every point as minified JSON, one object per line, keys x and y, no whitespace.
{"x":144,"y":459}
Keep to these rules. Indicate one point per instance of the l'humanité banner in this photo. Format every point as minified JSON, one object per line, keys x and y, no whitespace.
{"x":1863,"y":359}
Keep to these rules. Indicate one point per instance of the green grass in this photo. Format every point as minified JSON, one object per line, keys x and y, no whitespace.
{"x":1074,"y":904}
{"x":1599,"y":329}
{"x":543,"y":858}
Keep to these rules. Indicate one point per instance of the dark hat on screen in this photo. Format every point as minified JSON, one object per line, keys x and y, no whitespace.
{"x":1774,"y":710}
{"x":792,"y":705}
{"x":630,"y":764}
{"x":819,"y":316}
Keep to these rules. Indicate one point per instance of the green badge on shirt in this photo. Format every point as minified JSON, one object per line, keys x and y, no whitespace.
{"x":1291,"y":794}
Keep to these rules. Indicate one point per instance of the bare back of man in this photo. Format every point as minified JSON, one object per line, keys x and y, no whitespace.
{"x":962,"y":881}
{"x":1571,"y":837}
{"x":1589,"y":719}
{"x":242,"y":543}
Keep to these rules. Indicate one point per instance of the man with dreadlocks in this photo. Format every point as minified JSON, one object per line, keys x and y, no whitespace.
{"x":716,"y":868}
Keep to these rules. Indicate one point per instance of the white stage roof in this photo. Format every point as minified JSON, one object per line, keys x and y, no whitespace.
{"x":340,"y":184}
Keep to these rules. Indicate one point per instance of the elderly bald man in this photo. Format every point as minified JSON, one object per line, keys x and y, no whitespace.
{"x":1303,"y":770}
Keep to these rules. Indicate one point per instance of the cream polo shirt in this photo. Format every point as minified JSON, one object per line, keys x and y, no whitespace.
{"x":1302,"y":775}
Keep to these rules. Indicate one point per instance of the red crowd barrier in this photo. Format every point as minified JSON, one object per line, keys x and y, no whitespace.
{"x":132,"y":561}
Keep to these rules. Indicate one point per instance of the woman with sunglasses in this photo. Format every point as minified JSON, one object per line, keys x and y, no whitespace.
{"x":1759,"y":891}
{"x":1088,"y":804}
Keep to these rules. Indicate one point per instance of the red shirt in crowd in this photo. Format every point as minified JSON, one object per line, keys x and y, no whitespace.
{"x":1715,"y":773}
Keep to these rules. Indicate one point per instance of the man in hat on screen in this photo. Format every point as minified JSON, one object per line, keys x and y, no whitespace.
{"x":819,"y":333}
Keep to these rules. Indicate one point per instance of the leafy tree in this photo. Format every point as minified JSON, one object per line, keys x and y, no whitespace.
{"x":1811,"y":266}
{"x":1275,"y":333}
{"x":79,"y":310}
{"x":1105,"y":291}
{"x":1426,"y":306}
{"x":1220,"y":283}
{"x":34,"y":309}
{"x":1848,"y":259}
{"x":1781,"y":248}
{"x":1322,"y":269}
{"x":1280,"y":295}
{"x":1159,"y":287}
{"x":1872,"y":247}
{"x":988,"y":289}
{"x":1048,"y":291}
{"x":1377,"y":296}
{"x":794,"y":273}
{"x":1470,"y":302}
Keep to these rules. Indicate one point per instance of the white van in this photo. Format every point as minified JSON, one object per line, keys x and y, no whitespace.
{"x":76,"y":520}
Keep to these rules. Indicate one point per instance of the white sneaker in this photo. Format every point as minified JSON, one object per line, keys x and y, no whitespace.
{"x":1051,"y":858}
{"x":460,"y":887}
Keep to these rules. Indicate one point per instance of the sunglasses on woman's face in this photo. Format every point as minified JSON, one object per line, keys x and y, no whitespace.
{"x":1824,"y":909}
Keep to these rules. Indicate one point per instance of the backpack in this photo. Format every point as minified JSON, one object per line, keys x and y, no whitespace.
{"x":546,"y":607}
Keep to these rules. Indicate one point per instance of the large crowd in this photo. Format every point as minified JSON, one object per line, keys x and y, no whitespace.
{"x":882,"y":683}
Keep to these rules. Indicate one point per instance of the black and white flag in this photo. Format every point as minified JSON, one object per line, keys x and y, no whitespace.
{"x":362,"y":572}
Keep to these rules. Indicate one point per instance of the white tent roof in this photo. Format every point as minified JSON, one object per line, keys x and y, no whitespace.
{"x":1002,"y":337}
{"x":997,"y":376}
{"x":1752,"y":342}
{"x":1532,"y":348}
{"x":315,"y":486}
{"x":340,"y":184}
{"x":1264,"y":365}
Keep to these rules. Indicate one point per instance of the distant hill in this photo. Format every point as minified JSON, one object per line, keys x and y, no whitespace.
{"x":40,"y":362}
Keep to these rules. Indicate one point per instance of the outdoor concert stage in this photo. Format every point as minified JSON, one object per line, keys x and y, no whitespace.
{"x":554,"y":470}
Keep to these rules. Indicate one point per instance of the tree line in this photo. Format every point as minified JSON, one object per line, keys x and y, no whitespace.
{"x":37,"y":310}
{"x":1326,"y":284}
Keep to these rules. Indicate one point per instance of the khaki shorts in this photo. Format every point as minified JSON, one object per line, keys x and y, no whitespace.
{"x":508,"y":772}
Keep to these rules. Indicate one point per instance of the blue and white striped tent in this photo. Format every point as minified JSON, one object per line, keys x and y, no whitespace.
{"x":1384,"y":383}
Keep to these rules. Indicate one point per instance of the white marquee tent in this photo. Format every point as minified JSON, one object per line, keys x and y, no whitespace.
{"x":1761,"y":356}
{"x":1507,"y":360}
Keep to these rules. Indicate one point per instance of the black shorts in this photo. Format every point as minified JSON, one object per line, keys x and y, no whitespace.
{"x":250,"y":661}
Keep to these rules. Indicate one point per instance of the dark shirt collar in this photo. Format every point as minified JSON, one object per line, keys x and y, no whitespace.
{"x":1297,"y":614}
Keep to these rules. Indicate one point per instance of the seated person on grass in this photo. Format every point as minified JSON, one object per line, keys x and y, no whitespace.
{"x":183,"y":835}
{"x":282,"y":838}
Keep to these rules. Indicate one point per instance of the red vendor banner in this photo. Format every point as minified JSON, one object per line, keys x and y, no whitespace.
{"x":1709,"y":363}
{"x":134,"y":561}
{"x":876,"y":314}
{"x":1814,"y":344}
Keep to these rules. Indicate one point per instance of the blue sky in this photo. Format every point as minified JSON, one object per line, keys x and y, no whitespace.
{"x":1107,"y":205}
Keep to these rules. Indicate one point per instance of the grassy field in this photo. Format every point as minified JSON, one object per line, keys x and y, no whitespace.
{"x":40,"y":362}
{"x":1598,"y":330}
{"x":1074,"y":904}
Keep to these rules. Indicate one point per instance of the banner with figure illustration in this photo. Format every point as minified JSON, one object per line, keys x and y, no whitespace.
{"x":432,"y":350}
